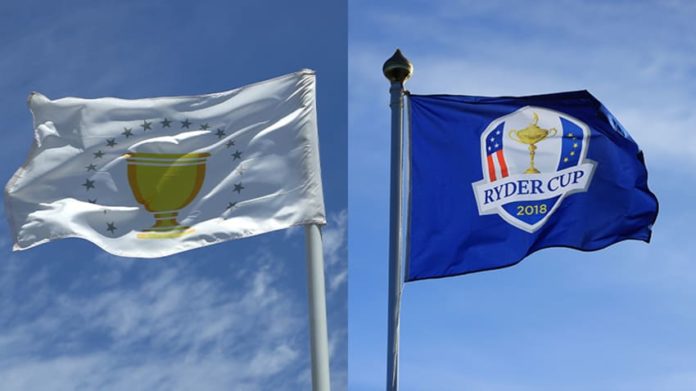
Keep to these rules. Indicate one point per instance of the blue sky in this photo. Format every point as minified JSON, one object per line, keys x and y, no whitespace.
{"x":234,"y":315}
{"x":230,"y":316}
{"x":617,"y":319}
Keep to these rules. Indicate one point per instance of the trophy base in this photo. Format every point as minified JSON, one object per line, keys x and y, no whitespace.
{"x":166,"y":227}
{"x":169,"y":233}
{"x":532,"y":170}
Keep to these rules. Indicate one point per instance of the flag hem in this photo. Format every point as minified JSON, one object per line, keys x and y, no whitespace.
{"x":161,"y":254}
{"x":645,"y":239}
{"x":304,"y":71}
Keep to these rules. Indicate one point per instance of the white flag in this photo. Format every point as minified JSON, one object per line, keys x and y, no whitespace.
{"x":153,"y":177}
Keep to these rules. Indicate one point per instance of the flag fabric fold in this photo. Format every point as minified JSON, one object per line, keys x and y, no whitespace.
{"x":496,"y":179}
{"x":153,"y":177}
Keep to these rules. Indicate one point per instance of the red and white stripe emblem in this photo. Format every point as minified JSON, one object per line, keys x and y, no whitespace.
{"x":497,"y":168}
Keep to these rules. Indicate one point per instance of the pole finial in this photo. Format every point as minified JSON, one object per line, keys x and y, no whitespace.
{"x":397,"y":68}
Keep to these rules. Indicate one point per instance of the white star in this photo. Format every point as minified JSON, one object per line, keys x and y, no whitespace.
{"x":489,"y":148}
{"x":498,"y":132}
{"x":492,"y":139}
{"x":496,"y":145}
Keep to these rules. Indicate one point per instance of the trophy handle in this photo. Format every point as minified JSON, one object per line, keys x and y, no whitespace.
{"x":552,"y":130}
{"x":513,"y":135}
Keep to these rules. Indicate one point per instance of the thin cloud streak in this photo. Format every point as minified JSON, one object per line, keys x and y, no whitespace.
{"x":539,"y":52}
{"x":174,"y":330}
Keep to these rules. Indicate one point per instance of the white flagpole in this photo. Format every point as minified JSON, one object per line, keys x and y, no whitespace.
{"x":397,"y":69}
{"x":319,"y":338}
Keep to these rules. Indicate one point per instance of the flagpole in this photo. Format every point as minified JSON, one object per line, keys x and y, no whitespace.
{"x":319,"y":339}
{"x":397,"y":69}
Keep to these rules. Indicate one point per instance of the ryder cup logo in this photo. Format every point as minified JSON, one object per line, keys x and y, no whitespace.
{"x":532,"y":159}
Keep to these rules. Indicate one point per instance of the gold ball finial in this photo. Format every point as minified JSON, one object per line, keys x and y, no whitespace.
{"x":397,"y":68}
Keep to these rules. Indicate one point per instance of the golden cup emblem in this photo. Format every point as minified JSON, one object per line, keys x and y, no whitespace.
{"x":164,"y":184}
{"x":531,"y":135}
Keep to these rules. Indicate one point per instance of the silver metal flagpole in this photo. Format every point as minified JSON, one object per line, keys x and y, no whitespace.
{"x":319,"y":337}
{"x":397,"y":69}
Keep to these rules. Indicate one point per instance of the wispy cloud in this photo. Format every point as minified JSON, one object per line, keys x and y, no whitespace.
{"x":166,"y":326}
{"x":334,"y":240}
{"x":500,"y":48}
{"x":172,"y":330}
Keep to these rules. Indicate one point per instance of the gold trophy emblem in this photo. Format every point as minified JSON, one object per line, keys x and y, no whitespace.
{"x":164,"y":184}
{"x":531,"y":135}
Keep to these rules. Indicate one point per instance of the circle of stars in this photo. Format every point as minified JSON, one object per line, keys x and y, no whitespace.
{"x":147,"y":125}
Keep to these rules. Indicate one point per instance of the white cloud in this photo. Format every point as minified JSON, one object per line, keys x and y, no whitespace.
{"x":499,"y":48}
{"x":173,"y":329}
{"x":334,"y":237}
{"x":334,"y":241}
{"x":164,"y":325}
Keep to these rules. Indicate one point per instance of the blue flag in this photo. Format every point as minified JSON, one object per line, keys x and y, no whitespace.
{"x":496,"y":179}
